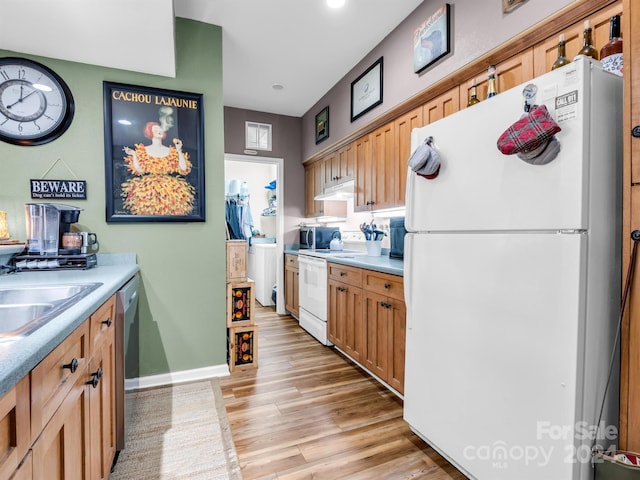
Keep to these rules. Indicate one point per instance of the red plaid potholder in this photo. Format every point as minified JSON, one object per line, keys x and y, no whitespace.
{"x":529,"y":132}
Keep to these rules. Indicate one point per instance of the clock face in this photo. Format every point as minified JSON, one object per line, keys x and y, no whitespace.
{"x":36,"y":105}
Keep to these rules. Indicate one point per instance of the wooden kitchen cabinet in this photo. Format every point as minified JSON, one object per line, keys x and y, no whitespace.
{"x":73,"y":403}
{"x":403,"y":127}
{"x":376,"y":171}
{"x":14,"y":427}
{"x":343,"y":165}
{"x":629,"y":437}
{"x":367,"y":320}
{"x":291,"y":282}
{"x":441,"y":106}
{"x":314,"y":183}
{"x":363,"y":165}
{"x":345,"y":327}
{"x":102,"y":390}
{"x":62,"y":449}
{"x":385,"y":327}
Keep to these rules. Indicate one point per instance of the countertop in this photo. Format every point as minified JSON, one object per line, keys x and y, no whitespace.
{"x":18,"y":357}
{"x":382,"y":263}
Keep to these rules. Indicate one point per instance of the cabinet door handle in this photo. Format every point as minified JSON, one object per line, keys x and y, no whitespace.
{"x":636,"y":131}
{"x":107,"y":322}
{"x":342,"y":274}
{"x":387,"y":285}
{"x":341,"y":289}
{"x":94,"y":381}
{"x":95,"y":378}
{"x":72,"y":365}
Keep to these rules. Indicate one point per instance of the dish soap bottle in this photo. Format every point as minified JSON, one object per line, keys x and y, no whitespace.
{"x":611,"y":53}
{"x":587,"y":50}
{"x":562,"y":54}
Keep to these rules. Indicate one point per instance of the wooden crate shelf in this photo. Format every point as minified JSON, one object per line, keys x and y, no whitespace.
{"x":243,"y":347}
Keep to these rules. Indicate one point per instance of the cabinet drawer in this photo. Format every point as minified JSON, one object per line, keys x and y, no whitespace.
{"x":53,"y":378}
{"x":102,"y":323}
{"x":291,"y":261}
{"x":384,"y":284}
{"x":344,"y":274}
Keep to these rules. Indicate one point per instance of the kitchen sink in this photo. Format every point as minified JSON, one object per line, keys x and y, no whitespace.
{"x":25,"y":309}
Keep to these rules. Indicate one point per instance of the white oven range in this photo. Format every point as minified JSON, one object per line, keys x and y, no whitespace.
{"x":312,"y":293}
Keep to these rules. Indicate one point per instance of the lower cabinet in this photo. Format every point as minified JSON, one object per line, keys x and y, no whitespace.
{"x":65,"y":408}
{"x":366,"y":320}
{"x":291,"y":273}
{"x":345,"y":327}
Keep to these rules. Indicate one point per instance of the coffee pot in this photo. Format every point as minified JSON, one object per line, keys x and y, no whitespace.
{"x":46,"y":225}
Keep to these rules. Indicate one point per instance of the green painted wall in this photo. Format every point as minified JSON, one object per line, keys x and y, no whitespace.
{"x":182,"y":303}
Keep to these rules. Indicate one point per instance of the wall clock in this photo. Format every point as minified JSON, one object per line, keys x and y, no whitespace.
{"x":36,"y":105}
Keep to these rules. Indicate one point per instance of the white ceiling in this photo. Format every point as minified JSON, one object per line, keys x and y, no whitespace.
{"x":301,"y":44}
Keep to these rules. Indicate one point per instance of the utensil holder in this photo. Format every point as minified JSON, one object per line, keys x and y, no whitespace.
{"x":374,"y":248}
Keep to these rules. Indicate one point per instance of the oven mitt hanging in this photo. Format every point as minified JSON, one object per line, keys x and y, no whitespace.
{"x":531,"y":132}
{"x":425,"y":161}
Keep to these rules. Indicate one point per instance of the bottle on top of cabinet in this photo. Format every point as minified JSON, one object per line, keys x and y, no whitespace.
{"x":611,"y":52}
{"x":492,"y":89}
{"x":473,"y":91}
{"x":562,"y":54}
{"x":587,"y":50}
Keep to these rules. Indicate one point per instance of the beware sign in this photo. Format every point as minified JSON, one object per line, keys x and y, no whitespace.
{"x":67,"y":189}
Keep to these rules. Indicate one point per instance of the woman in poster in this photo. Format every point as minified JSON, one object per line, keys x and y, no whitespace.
{"x":158,"y":186}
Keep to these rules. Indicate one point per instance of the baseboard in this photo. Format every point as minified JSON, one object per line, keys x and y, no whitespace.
{"x":176,"y":377}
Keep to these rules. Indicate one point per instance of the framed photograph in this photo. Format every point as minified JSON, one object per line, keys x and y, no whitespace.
{"x":322,"y":125}
{"x":366,"y":90}
{"x":432,"y":39}
{"x":509,"y":5}
{"x":154,"y":154}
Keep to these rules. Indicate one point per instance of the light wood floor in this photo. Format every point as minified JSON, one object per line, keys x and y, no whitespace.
{"x":307,"y":412}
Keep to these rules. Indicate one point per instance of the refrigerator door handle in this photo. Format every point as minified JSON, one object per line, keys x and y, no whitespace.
{"x":408,"y":274}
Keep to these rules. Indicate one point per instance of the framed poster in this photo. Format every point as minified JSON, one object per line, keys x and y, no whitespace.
{"x":154,"y":154}
{"x":322,"y":125}
{"x":432,"y":39}
{"x":366,"y":90}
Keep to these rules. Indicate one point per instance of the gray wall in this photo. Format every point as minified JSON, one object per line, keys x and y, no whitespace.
{"x":182,"y":304}
{"x":286,"y":133}
{"x":477,"y":28}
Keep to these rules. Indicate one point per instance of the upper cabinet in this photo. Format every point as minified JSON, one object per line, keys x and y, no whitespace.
{"x":376,"y":179}
{"x":441,"y":106}
{"x":403,"y":127}
{"x":314,"y":183}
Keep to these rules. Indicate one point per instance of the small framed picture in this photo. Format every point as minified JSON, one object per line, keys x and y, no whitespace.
{"x":432,"y":39}
{"x":322,"y":125}
{"x":509,"y":5}
{"x":366,"y":90}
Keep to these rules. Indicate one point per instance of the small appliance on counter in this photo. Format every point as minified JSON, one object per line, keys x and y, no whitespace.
{"x":316,"y":237}
{"x":51,"y":245}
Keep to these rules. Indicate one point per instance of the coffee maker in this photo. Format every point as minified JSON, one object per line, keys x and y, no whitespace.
{"x":47,"y":224}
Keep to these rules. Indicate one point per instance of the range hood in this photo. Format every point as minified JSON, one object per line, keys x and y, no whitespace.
{"x":339,"y":191}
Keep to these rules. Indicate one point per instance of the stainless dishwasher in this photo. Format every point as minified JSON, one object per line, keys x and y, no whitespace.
{"x":126,"y":309}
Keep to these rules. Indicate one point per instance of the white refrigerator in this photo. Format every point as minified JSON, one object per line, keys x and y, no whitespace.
{"x":512,"y":284}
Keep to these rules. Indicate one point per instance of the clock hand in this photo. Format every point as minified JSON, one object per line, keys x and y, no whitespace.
{"x":22,"y":99}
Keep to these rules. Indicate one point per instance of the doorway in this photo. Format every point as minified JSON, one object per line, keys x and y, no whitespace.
{"x":275,"y":224}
